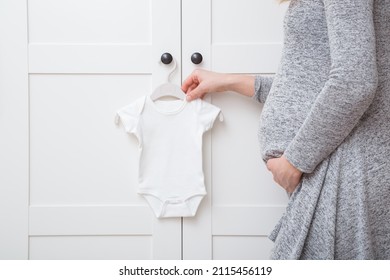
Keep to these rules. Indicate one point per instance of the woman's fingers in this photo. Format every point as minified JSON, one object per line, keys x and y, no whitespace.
{"x":191,"y":80}
{"x":188,"y":83}
{"x":196,"y":92}
{"x":191,"y":88}
{"x":284,"y":174}
{"x":201,"y":82}
{"x":192,"y":85}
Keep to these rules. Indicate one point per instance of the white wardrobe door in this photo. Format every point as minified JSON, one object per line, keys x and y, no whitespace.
{"x":87,"y":59}
{"x":243,"y":202}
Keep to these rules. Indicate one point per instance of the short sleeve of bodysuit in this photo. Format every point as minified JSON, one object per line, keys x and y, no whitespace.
{"x":207,"y":114}
{"x":129,"y":115}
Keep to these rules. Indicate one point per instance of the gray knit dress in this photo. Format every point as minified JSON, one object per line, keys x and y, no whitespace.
{"x":327,"y":110}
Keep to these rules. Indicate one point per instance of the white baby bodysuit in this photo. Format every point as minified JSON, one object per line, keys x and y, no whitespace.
{"x":170,"y":173}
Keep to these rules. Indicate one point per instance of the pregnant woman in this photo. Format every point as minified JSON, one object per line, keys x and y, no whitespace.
{"x":325,"y":128}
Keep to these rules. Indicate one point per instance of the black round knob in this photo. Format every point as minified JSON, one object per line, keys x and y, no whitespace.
{"x":166,"y":58}
{"x":196,"y":58}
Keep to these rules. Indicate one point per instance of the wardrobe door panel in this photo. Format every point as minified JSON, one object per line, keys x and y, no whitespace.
{"x":83,"y":158}
{"x":94,"y":58}
{"x":91,"y":247}
{"x":90,"y":21}
{"x":239,"y":247}
{"x":246,"y":35}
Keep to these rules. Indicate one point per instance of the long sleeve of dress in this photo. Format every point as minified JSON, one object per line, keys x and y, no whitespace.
{"x":263,"y":85}
{"x":350,"y":88}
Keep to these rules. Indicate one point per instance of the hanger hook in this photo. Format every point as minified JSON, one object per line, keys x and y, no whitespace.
{"x":173,"y":70}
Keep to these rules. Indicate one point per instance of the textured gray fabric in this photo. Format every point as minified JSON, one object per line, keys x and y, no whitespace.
{"x":263,"y":85}
{"x":328,"y":112}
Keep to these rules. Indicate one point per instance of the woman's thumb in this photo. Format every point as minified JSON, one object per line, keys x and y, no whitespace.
{"x":197,"y":92}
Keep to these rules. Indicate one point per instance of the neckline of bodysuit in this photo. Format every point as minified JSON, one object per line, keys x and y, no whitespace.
{"x":166,"y":112}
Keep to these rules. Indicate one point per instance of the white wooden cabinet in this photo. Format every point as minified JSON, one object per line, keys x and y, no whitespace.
{"x":68,"y":175}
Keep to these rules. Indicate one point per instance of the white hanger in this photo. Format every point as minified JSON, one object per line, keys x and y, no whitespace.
{"x":168,"y":89}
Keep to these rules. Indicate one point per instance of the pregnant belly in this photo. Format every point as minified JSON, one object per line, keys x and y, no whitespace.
{"x":279,"y":123}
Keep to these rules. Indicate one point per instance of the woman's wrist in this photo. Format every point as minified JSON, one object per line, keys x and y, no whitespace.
{"x":243,"y":84}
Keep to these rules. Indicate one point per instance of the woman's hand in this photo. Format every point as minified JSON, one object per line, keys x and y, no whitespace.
{"x":202,"y":81}
{"x":285,"y":174}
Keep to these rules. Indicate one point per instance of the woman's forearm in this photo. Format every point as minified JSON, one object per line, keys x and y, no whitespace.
{"x":242,"y":84}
